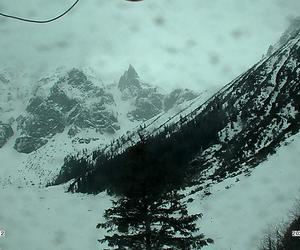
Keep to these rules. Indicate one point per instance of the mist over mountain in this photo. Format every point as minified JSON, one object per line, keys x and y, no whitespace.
{"x":190,"y":43}
{"x":232,"y":154}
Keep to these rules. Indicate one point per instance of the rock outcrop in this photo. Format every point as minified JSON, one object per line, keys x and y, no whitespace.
{"x":6,"y":132}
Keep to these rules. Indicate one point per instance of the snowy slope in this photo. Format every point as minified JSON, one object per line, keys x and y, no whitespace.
{"x":250,"y":117}
{"x":236,"y":218}
{"x":44,"y":219}
{"x":235,"y":215}
{"x":259,"y":116}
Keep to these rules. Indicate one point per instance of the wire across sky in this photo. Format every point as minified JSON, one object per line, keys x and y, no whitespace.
{"x":40,"y":21}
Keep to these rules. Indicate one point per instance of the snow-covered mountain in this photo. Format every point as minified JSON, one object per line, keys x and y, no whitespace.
{"x":74,"y":101}
{"x":261,"y":110}
{"x":227,"y":136}
{"x":72,"y":109}
{"x":243,"y":141}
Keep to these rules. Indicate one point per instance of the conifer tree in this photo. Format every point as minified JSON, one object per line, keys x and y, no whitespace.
{"x":151,"y":223}
{"x":150,"y":213}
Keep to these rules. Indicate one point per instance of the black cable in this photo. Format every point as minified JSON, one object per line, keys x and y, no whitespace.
{"x":40,"y":21}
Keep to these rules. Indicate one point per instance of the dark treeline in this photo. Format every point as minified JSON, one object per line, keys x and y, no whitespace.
{"x":73,"y":167}
{"x":149,"y":212}
{"x":166,"y":154}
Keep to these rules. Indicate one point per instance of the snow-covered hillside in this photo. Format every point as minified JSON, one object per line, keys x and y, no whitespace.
{"x":225,"y":138}
{"x":243,"y":140}
{"x":236,"y":217}
{"x":229,"y":133}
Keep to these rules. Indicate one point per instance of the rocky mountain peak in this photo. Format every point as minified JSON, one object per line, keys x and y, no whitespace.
{"x":72,"y":101}
{"x":5,"y":133}
{"x":130,"y":81}
{"x":131,"y":72}
{"x":78,"y":79}
{"x":75,"y":102}
{"x":177,"y":97}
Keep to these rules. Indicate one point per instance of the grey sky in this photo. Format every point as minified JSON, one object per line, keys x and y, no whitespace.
{"x":189,"y":43}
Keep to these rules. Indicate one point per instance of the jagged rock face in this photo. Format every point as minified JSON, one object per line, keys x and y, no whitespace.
{"x":130,"y":84}
{"x":27,"y":144}
{"x":44,"y":119}
{"x":95,"y":117}
{"x":148,"y":101}
{"x":177,"y":97}
{"x":75,"y":101}
{"x":6,"y":132}
{"x":72,"y":101}
{"x":148,"y":104}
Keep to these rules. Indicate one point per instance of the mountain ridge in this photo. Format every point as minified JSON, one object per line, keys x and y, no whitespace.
{"x":239,"y":136}
{"x":80,"y":99}
{"x":68,"y":111}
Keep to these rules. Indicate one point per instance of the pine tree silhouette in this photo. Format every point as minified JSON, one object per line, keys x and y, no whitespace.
{"x":150,"y":213}
{"x":152,"y":222}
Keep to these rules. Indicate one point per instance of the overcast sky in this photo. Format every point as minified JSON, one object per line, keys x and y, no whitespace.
{"x":173,"y":43}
